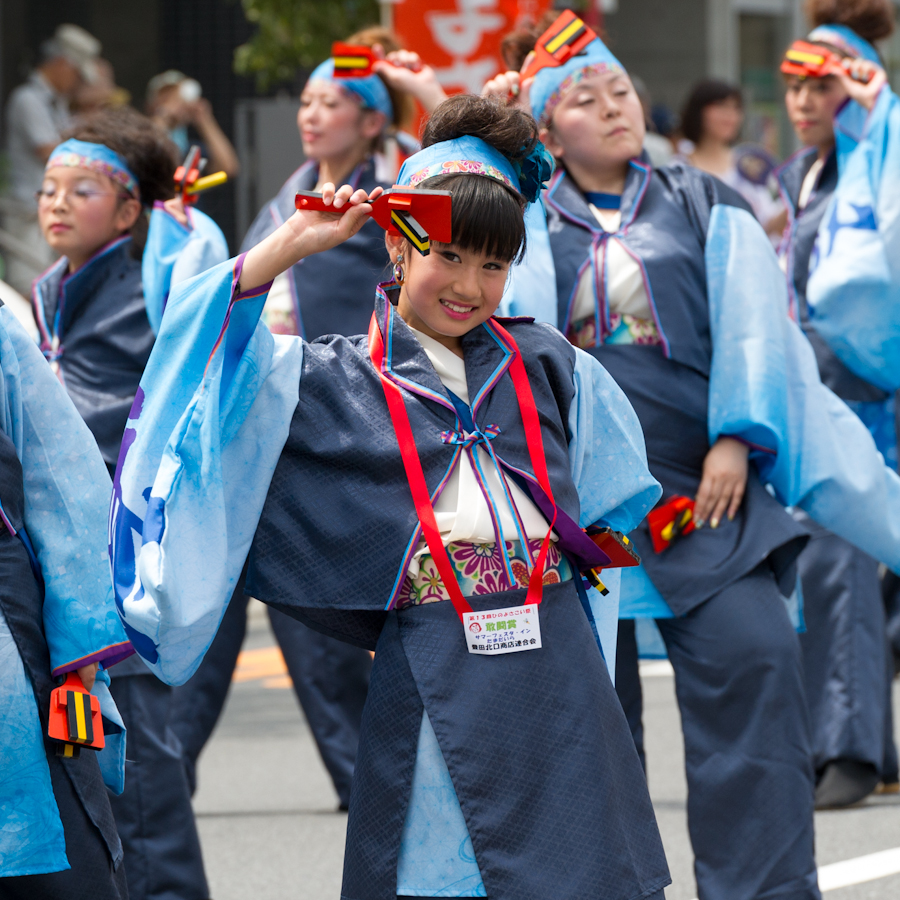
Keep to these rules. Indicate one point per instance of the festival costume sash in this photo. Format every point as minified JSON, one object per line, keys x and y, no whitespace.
{"x":416,"y":476}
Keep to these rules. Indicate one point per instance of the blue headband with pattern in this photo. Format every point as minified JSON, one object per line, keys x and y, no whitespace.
{"x":553,"y":82}
{"x":371,"y":90}
{"x":845,"y":39}
{"x":96,"y":157}
{"x":469,"y":155}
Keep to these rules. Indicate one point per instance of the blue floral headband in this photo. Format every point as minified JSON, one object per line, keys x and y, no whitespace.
{"x":470,"y":155}
{"x":845,"y":39}
{"x":96,"y":157}
{"x":371,"y":90}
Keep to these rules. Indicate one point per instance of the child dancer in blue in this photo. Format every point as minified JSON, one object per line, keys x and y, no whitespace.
{"x":57,"y":835}
{"x":95,"y":327}
{"x":840,"y":252}
{"x":507,"y":776}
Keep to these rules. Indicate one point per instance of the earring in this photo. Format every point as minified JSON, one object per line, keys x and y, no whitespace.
{"x":399,"y":274}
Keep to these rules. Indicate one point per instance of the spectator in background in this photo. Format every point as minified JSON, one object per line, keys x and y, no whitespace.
{"x":102,"y":93}
{"x":712,"y":120}
{"x":36,"y":114}
{"x":176,"y":103}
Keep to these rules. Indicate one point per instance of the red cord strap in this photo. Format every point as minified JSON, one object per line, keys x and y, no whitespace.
{"x":415,"y":475}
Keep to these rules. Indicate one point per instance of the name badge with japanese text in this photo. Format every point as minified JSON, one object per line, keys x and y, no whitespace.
{"x":497,"y":631}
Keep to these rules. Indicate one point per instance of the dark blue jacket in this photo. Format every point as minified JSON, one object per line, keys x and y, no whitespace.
{"x":294,"y":537}
{"x":93,"y":325}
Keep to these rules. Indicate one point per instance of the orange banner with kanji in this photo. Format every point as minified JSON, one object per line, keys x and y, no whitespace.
{"x":460,"y":39}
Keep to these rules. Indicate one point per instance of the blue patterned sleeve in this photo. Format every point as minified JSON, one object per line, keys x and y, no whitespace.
{"x":607,"y":454}
{"x":67,"y":492}
{"x":854,"y":285}
{"x":765,"y":389}
{"x":205,"y":433}
{"x":531,"y":286}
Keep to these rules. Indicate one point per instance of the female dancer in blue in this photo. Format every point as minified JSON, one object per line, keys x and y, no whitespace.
{"x":509,"y":775}
{"x":839,"y":253}
{"x":666,"y":278}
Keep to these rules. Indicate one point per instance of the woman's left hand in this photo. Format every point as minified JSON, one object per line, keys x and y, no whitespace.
{"x":88,"y":675}
{"x":864,"y":94}
{"x":724,"y":482}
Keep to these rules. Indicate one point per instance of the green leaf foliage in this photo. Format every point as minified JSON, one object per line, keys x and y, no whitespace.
{"x":297,"y":34}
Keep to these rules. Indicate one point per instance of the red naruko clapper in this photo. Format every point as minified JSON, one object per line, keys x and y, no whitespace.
{"x":420,"y":216}
{"x":565,"y":38}
{"x":75,"y":717}
{"x":670,"y":522}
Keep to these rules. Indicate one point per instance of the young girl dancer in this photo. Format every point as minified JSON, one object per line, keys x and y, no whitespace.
{"x":98,"y":188}
{"x":666,"y":278}
{"x":509,"y":775}
{"x":57,"y":615}
{"x":844,"y":287}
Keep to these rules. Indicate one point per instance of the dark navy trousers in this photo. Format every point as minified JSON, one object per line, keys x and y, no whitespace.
{"x":739,"y":685}
{"x":331,"y":680}
{"x":846,"y":658}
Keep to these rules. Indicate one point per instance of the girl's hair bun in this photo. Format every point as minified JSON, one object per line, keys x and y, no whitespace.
{"x":508,"y":130}
{"x":872,"y":20}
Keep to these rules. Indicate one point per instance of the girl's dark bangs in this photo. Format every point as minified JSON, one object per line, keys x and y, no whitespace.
{"x":487,"y":216}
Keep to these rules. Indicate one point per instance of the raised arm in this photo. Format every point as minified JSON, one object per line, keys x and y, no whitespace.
{"x":306,"y":233}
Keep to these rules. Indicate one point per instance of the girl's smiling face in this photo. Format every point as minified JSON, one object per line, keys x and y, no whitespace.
{"x":80,"y":211}
{"x":449,"y":292}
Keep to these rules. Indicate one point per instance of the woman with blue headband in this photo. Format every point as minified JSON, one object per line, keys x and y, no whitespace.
{"x":495,"y":759}
{"x":666,"y":278}
{"x":343,"y":123}
{"x":95,"y":324}
{"x":840,"y":252}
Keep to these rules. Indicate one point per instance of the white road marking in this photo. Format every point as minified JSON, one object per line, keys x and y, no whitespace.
{"x":656,"y":668}
{"x":860,"y":870}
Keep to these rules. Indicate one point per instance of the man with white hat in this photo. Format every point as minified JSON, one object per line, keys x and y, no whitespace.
{"x":36,"y":114}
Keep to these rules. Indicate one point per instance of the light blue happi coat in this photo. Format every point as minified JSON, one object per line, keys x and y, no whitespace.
{"x":66,"y":508}
{"x":853,"y":291}
{"x":764,"y":388}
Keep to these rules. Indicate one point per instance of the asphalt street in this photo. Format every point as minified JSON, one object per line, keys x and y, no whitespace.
{"x":270,"y":828}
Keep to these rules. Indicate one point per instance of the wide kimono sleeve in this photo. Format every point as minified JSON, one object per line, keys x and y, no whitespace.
{"x":854,"y":285}
{"x":765,"y":389}
{"x":531,"y":285}
{"x":207,"y":428}
{"x":67,"y":491}
{"x":67,"y":488}
{"x":608,"y":461}
{"x":175,"y":253}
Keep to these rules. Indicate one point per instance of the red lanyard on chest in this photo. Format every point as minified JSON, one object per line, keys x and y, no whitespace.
{"x":415,"y":475}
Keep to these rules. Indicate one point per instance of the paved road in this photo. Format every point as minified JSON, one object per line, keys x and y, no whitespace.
{"x":270,"y":829}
